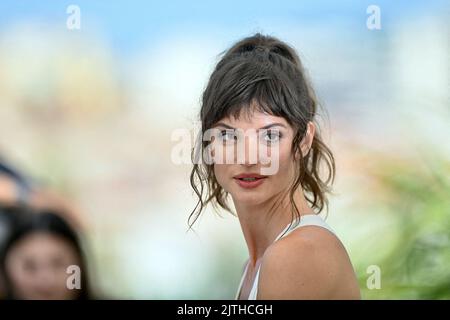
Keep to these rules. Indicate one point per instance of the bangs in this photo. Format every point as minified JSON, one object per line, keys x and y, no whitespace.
{"x":249,"y":86}
{"x":260,"y":98}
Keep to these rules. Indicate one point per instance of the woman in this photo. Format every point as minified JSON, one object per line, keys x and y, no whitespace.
{"x":42,"y":259}
{"x":258,"y":98}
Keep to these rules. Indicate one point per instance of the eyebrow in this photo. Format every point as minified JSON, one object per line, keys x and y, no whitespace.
{"x":221,"y":124}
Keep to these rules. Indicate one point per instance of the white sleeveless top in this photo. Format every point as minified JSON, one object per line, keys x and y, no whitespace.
{"x":306,"y":220}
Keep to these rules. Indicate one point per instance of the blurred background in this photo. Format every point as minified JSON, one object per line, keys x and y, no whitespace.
{"x":87,"y":115}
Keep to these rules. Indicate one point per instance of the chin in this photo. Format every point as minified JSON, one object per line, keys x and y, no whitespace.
{"x":249,"y":197}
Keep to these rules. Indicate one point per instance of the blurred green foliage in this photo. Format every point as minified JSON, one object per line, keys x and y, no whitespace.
{"x":417,"y":264}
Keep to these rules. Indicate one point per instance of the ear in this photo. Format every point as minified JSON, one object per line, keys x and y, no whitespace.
{"x":307,"y":141}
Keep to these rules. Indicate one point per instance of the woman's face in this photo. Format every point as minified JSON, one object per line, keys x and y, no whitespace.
{"x":245,"y":179}
{"x":36,"y":267}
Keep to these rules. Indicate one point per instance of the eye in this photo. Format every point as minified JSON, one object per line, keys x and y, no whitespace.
{"x":271,"y":136}
{"x":57,"y":263}
{"x":227,"y":136}
{"x":29,"y":265}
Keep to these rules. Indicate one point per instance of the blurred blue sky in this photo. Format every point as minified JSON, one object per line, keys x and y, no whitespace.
{"x":128,"y":24}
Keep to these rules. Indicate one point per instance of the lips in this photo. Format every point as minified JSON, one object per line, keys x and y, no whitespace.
{"x":249,"y":181}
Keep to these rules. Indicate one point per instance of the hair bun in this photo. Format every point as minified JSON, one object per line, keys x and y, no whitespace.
{"x":268,"y":44}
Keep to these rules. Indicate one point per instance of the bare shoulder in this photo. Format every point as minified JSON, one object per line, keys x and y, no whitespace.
{"x":309,"y":263}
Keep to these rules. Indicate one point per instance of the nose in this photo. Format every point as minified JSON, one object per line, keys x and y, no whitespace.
{"x":248,"y":151}
{"x":45,"y":277}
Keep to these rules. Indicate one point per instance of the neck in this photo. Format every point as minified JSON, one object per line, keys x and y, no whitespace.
{"x":262,"y":223}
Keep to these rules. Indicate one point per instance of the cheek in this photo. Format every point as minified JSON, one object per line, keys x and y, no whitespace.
{"x":285,"y":163}
{"x":20,"y":277}
{"x":220,"y":172}
{"x":286,"y":158}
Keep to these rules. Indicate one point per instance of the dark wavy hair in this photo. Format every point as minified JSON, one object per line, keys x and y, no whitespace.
{"x":265,"y":72}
